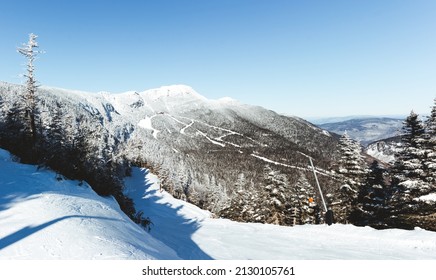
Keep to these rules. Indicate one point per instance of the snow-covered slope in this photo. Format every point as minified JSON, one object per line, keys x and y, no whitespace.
{"x":199,"y":145}
{"x":194,"y":234}
{"x":384,"y":150}
{"x":45,"y":217}
{"x":42,"y":217}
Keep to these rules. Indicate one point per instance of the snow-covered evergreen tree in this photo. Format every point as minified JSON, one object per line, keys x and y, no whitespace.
{"x":430,"y":149}
{"x":352,"y":169}
{"x":372,"y":198}
{"x":29,"y":102}
{"x":409,"y":179}
{"x":303,"y":202}
{"x":351,"y":163}
{"x":277,"y":197}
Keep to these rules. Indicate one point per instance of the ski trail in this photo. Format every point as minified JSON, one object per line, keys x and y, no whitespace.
{"x":146,"y":124}
{"x":182,"y":131}
{"x":292,"y":166}
{"x":211,"y":140}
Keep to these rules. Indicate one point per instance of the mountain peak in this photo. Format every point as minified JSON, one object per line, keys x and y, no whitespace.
{"x":173,"y":91}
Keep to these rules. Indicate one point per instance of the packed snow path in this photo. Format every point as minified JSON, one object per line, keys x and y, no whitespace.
{"x":193,"y":234}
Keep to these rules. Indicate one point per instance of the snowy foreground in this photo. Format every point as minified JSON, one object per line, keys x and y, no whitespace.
{"x":43,"y":218}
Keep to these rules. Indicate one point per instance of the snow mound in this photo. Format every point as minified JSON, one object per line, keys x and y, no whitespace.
{"x":45,"y":217}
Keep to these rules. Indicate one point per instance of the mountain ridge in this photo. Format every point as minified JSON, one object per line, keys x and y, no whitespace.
{"x":200,"y":148}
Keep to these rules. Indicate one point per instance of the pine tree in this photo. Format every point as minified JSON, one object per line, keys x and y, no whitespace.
{"x":30,"y":101}
{"x":351,"y":163}
{"x":430,"y":149}
{"x":303,"y":203}
{"x":353,"y":170}
{"x":372,"y":205}
{"x":409,"y":170}
{"x":275,"y":199}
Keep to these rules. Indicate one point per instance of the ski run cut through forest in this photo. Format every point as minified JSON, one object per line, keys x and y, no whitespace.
{"x":43,"y":217}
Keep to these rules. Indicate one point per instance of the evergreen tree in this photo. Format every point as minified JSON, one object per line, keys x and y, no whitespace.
{"x":351,"y":163}
{"x":29,"y":98}
{"x":430,"y":149}
{"x":244,"y":204}
{"x":303,"y":203}
{"x":409,"y":179}
{"x":352,"y":169}
{"x":372,"y":207}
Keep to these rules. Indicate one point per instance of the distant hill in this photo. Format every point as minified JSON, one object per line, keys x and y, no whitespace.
{"x":366,"y":130}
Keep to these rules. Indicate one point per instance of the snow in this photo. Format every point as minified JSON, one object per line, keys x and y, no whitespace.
{"x":380,"y":154}
{"x":146,"y":124}
{"x":429,"y":198}
{"x":172,"y":91}
{"x":182,"y":131}
{"x":318,"y":170}
{"x":194,"y":234}
{"x":45,"y":218}
{"x":210,"y":140}
{"x":326,"y":133}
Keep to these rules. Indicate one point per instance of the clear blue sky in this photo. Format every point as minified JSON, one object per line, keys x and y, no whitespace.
{"x":306,"y":58}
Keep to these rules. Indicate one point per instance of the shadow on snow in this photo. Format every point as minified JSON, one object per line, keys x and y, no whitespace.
{"x":169,"y":226}
{"x":29,"y":230}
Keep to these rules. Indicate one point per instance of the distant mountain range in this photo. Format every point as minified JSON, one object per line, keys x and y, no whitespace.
{"x":366,"y":129}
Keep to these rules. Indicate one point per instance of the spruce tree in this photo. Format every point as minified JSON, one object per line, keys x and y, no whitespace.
{"x":372,"y":198}
{"x":303,"y":202}
{"x":29,"y":100}
{"x":430,"y":149}
{"x":352,"y":169}
{"x":409,"y":179}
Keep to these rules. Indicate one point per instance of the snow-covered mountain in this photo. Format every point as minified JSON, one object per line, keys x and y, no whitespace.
{"x":385,"y":149}
{"x":42,"y":217}
{"x":202,"y":149}
{"x":366,"y":130}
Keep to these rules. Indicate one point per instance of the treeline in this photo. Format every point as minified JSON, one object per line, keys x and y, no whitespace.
{"x":382,"y":196}
{"x":68,"y":141}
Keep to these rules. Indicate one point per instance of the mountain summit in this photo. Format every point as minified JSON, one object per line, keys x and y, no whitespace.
{"x":217,"y":154}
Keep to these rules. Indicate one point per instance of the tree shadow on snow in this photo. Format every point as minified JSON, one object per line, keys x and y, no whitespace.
{"x":29,"y":230}
{"x":170,"y":227}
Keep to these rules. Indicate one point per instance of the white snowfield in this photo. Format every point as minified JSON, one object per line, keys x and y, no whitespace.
{"x":45,"y":218}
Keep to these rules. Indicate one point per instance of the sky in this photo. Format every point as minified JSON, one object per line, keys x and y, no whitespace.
{"x":306,"y":58}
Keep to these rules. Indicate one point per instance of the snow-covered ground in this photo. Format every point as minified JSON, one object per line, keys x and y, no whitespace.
{"x":45,"y":218}
{"x":194,"y":234}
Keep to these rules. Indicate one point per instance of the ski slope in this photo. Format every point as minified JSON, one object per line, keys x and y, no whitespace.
{"x":194,"y":234}
{"x":42,"y":217}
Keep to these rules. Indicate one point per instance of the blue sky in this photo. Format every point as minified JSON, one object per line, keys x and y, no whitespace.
{"x":305,"y":58}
